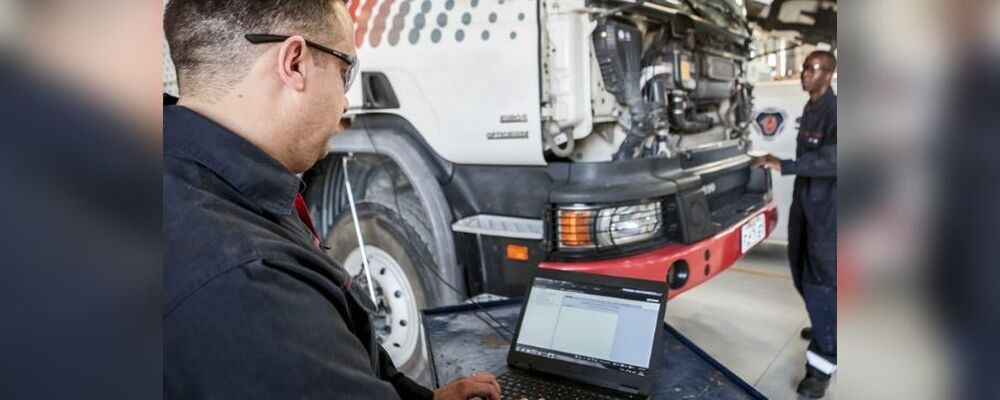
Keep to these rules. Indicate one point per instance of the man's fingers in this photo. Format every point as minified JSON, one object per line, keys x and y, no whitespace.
{"x":486,"y":377}
{"x":471,"y":388}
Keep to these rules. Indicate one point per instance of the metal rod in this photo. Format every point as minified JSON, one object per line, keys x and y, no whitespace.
{"x":357,"y":231}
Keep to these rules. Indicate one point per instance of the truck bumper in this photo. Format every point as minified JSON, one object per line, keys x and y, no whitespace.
{"x":705,"y":258}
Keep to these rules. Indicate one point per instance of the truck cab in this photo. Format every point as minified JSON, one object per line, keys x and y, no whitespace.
{"x":489,"y":138}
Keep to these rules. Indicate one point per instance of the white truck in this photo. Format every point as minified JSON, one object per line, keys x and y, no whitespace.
{"x":492,"y":137}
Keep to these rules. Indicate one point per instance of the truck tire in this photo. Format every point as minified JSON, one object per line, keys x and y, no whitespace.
{"x":398,"y":262}
{"x":394,"y":223}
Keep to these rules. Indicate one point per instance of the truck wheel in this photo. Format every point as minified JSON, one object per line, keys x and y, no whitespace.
{"x":399,"y":269}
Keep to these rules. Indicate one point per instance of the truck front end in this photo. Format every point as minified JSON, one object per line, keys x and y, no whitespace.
{"x":646,"y":106}
{"x":491,"y":138}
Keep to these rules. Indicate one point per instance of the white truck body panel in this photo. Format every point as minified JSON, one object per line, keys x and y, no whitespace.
{"x":567,"y":56}
{"x":497,"y":120}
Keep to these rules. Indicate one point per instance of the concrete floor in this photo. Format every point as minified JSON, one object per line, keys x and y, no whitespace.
{"x":749,"y":319}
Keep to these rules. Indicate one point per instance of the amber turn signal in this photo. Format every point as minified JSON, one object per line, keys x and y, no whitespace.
{"x":517,"y":252}
{"x":574,"y":228}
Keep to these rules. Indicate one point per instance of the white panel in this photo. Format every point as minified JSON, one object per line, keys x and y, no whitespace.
{"x":568,"y":54}
{"x":453,"y":91}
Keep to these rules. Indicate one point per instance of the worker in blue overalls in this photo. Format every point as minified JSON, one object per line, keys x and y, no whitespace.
{"x":812,"y":219}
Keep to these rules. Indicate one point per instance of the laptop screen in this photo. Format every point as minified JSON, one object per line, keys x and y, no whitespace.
{"x":591,"y":325}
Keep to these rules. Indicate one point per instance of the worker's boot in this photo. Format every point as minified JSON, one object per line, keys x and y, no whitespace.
{"x":806,"y":333}
{"x":813,"y":386}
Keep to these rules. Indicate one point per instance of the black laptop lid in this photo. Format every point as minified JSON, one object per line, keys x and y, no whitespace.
{"x":594,"y":329}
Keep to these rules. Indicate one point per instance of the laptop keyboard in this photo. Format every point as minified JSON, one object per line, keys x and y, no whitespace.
{"x":516,"y":386}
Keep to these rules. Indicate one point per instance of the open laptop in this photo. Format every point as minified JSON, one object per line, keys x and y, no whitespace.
{"x":585,"y":336}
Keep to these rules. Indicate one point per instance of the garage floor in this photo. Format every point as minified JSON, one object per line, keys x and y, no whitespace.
{"x":749,"y":319}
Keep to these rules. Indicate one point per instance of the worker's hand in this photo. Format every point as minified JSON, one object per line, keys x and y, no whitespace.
{"x":759,"y":161}
{"x":480,"y":384}
{"x":767,"y":161}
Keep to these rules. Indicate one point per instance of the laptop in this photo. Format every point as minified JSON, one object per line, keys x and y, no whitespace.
{"x":583,"y":336}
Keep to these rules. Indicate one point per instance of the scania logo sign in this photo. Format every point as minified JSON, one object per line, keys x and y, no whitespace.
{"x":770,"y":122}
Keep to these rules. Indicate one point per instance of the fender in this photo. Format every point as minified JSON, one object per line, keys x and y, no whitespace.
{"x":394,"y":137}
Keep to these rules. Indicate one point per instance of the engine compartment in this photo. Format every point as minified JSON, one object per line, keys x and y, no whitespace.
{"x":662,"y":83}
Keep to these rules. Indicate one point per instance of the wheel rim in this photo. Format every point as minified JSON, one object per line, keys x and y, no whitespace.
{"x":397,"y":320}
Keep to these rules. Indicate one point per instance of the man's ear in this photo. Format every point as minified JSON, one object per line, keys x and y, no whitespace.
{"x":293,"y":61}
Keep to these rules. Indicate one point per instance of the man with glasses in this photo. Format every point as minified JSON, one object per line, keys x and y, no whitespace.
{"x":253,"y":306}
{"x":812,"y":219}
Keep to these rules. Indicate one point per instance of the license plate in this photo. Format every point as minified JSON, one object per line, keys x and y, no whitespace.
{"x":752,"y":233}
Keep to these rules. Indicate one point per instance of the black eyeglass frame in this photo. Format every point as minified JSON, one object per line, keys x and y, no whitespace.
{"x":352,"y":62}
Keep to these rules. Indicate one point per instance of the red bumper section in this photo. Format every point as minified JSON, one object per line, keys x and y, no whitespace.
{"x":705,"y":259}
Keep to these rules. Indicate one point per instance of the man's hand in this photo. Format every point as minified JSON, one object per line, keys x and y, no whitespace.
{"x":480,"y":384}
{"x":768,"y":161}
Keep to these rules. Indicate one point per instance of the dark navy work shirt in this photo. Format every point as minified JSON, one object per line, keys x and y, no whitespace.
{"x":815,"y":163}
{"x":252,"y":308}
{"x":812,"y":218}
{"x":816,"y":145}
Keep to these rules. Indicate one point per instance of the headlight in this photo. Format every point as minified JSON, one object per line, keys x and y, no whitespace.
{"x":590,"y":227}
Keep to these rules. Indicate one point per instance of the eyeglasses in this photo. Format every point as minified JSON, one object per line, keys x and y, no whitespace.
{"x":813,"y":68}
{"x":352,"y":62}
